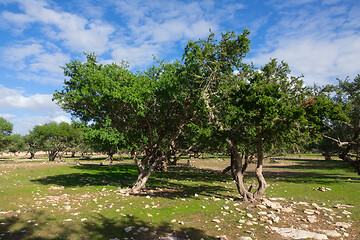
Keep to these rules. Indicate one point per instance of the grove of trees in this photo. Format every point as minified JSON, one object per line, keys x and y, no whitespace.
{"x":210,"y":101}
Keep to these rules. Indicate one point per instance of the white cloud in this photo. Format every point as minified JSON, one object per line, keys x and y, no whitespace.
{"x":76,"y":33}
{"x":24,"y":124}
{"x":321,"y":44}
{"x":34,"y":62}
{"x":7,"y":116}
{"x":13,"y":99}
{"x":35,"y":109}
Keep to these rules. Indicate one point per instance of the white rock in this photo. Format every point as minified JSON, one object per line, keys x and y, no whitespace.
{"x":143,"y":229}
{"x":173,"y":220}
{"x":346,"y":212}
{"x":129,"y":229}
{"x":287,"y":210}
{"x":262,"y":213}
{"x":216,"y":220}
{"x":343,"y":224}
{"x":311,"y":219}
{"x":245,"y":238}
{"x":331,"y":233}
{"x":68,"y":220}
{"x":276,"y":219}
{"x":309,"y":211}
{"x":249,"y":215}
{"x":270,"y":204}
{"x":298,"y":234}
{"x":223,"y":237}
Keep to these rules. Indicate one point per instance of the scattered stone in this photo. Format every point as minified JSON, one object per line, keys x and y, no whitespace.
{"x":311,"y":219}
{"x":245,"y":238}
{"x":277,"y":199}
{"x":331,"y":233}
{"x":343,"y":224}
{"x":298,"y":234}
{"x":83,"y":219}
{"x":276,"y":219}
{"x":173,"y":220}
{"x":287,"y":210}
{"x":342,"y":206}
{"x":143,"y":229}
{"x":309,"y":211}
{"x":216,"y":220}
{"x":249,"y":215}
{"x":223,"y":237}
{"x":68,"y":220}
{"x":270,"y":204}
{"x":323,"y":189}
{"x":262,"y":213}
{"x":249,"y":223}
{"x":56,"y":188}
{"x":181,"y":223}
{"x":129,"y":229}
{"x":303,"y":203}
{"x":261,"y":206}
{"x":346,"y":212}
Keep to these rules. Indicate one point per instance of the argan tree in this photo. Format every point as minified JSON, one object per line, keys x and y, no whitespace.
{"x":149,"y":109}
{"x":335,"y":114}
{"x":53,"y":137}
{"x":253,"y":109}
{"x":5,"y":133}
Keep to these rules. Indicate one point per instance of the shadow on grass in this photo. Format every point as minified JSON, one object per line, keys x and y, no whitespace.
{"x":312,"y":171}
{"x":98,"y":227}
{"x":178,"y":181}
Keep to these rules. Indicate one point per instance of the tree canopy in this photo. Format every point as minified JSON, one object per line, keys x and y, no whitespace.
{"x":177,"y":107}
{"x":6,"y":129}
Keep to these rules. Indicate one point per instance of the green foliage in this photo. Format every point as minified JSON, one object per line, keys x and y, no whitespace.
{"x":17,"y":143}
{"x":335,"y":113}
{"x":147,"y":108}
{"x":103,"y":138}
{"x":5,"y":133}
{"x":266,"y":105}
{"x":52,"y":137}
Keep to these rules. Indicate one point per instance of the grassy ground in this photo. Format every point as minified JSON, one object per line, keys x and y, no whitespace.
{"x":42,"y":200}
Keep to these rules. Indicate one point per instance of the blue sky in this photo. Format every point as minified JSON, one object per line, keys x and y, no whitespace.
{"x":317,"y":38}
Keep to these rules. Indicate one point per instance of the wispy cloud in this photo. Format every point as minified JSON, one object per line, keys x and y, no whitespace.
{"x":321,"y":44}
{"x":75,"y":32}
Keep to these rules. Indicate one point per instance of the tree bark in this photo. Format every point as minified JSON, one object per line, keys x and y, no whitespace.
{"x":143,"y":176}
{"x":110,"y":158}
{"x":32,"y":155}
{"x":52,"y":156}
{"x":259,"y":175}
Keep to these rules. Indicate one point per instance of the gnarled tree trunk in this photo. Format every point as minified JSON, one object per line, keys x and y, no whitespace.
{"x":32,"y":155}
{"x":238,"y":169}
{"x":143,"y":172}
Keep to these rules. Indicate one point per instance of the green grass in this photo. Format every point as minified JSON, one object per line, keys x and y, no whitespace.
{"x":183,"y":200}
